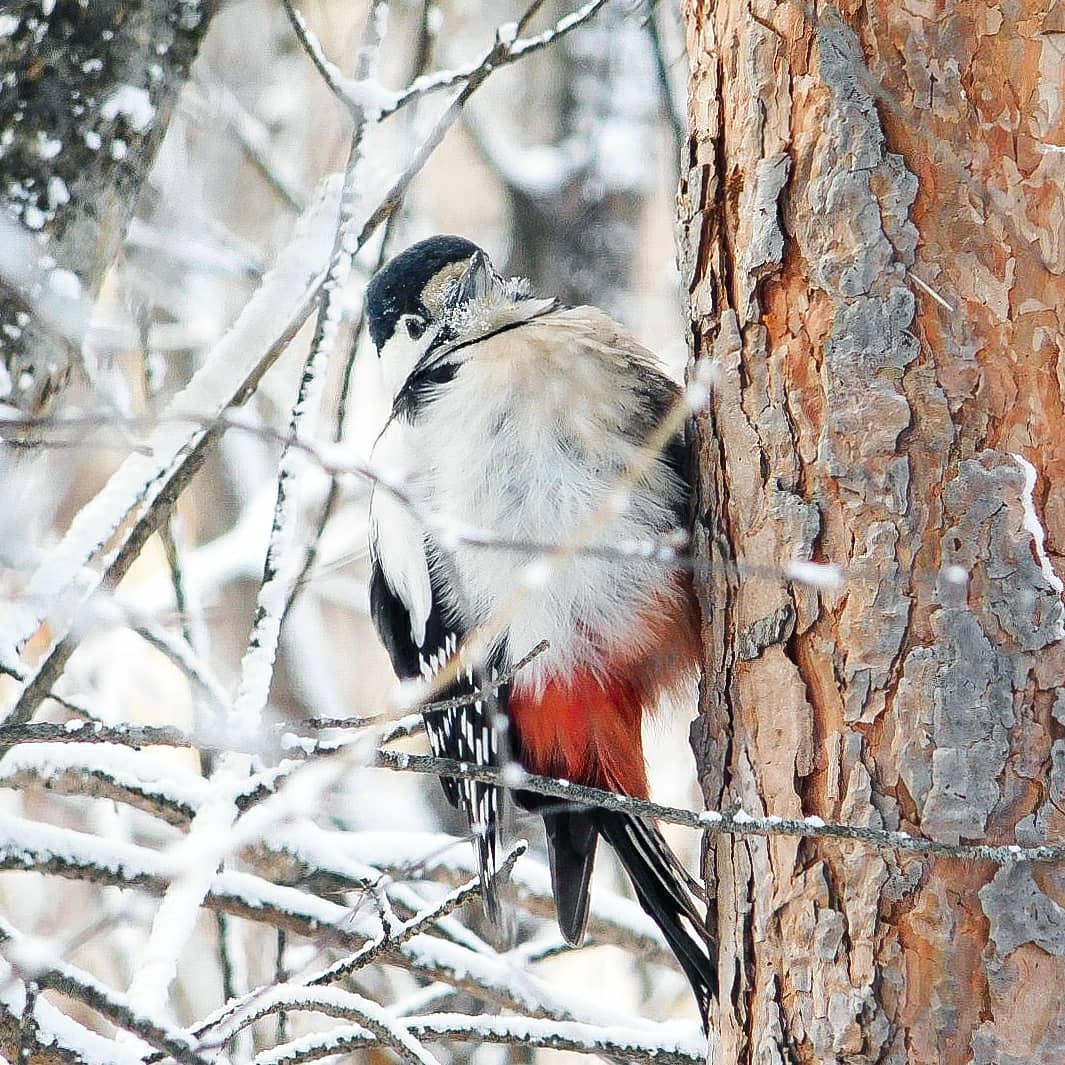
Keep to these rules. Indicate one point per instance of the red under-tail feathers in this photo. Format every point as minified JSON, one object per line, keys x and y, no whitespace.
{"x":587,"y":727}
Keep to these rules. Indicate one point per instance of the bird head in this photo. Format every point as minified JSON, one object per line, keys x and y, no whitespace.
{"x":437,"y":295}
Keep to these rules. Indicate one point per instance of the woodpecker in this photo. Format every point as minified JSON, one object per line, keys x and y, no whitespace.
{"x":515,"y":425}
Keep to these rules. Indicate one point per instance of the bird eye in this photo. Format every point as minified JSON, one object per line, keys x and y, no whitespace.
{"x":415,"y":327}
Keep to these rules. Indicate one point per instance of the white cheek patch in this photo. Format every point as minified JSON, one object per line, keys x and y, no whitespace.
{"x":398,"y":357}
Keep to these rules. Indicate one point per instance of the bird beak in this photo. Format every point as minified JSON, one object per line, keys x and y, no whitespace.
{"x":476,"y":281}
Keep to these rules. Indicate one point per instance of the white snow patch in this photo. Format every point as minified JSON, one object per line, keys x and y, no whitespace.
{"x":64,"y":283}
{"x":33,"y":217}
{"x":370,"y":95}
{"x":48,"y":147}
{"x":58,"y":193}
{"x":1038,"y":533}
{"x":816,"y":574}
{"x":8,"y":25}
{"x":133,"y":103}
{"x":119,"y":149}
{"x":1034,"y":525}
{"x":290,"y":741}
{"x":514,"y":775}
{"x":92,"y":139}
{"x":955,"y":574}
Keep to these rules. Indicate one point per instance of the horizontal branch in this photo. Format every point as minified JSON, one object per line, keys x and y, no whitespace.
{"x":129,"y":735}
{"x":662,"y":1045}
{"x":29,"y":845}
{"x":669,"y":551}
{"x":736,"y":823}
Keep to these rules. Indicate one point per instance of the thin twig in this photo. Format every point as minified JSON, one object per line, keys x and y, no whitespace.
{"x":736,"y":823}
{"x":421,"y":922}
{"x":447,"y":79}
{"x":613,"y":1044}
{"x":25,"y":957}
{"x":329,"y":71}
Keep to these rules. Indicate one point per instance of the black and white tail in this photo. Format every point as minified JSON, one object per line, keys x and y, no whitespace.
{"x":661,"y":889}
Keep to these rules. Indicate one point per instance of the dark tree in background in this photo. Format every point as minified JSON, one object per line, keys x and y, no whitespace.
{"x":87,"y":94}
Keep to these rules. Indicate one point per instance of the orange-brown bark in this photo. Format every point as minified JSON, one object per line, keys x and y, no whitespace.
{"x":873,"y":222}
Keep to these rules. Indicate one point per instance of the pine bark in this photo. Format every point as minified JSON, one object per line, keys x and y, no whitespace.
{"x":873,"y":234}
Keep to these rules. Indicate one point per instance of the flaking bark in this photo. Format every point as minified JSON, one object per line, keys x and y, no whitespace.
{"x":873,"y":233}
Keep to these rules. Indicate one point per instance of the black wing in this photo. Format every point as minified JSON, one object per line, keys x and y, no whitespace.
{"x":463,"y":732}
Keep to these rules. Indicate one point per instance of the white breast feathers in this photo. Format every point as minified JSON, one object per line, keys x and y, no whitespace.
{"x":532,"y":442}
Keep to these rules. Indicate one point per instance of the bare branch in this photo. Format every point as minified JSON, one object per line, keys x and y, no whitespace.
{"x":737,"y":823}
{"x":520,"y":48}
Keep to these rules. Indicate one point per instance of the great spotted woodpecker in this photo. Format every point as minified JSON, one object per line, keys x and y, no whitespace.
{"x":521,"y":417}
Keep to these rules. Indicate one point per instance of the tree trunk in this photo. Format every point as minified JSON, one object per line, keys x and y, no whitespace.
{"x":86,"y":96}
{"x":873,"y":229}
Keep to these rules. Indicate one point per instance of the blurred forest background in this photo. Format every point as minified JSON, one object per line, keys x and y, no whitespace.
{"x":563,"y":166}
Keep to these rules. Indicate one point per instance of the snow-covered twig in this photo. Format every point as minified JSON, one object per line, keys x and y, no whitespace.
{"x":380,"y":1027}
{"x":518,"y":49}
{"x":282,"y":567}
{"x":736,"y":823}
{"x":339,"y":84}
{"x":419,"y":923}
{"x":668,"y":1043}
{"x":109,"y":773}
{"x":667,"y":551}
{"x":662,"y":1045}
{"x":130,"y":735}
{"x":29,"y":845}
{"x":495,"y":57}
{"x":312,"y":993}
{"x":109,"y":784}
{"x":31,"y":959}
{"x":109,"y":530}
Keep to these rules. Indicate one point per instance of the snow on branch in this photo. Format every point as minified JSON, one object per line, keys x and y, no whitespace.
{"x":283,"y":563}
{"x":517,"y":49}
{"x":662,"y":1045}
{"x":735,"y":823}
{"x":491,"y":978}
{"x":107,"y":533}
{"x":31,"y":959}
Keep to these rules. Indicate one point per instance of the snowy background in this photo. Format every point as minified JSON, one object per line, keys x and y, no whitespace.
{"x":159,"y":884}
